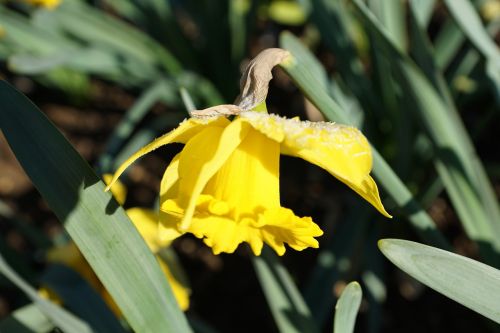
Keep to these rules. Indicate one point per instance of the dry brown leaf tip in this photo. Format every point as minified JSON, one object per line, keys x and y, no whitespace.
{"x":217,"y":111}
{"x":254,"y":85}
{"x":254,"y":82}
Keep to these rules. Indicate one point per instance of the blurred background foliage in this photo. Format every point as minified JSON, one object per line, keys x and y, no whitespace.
{"x":421,"y":78}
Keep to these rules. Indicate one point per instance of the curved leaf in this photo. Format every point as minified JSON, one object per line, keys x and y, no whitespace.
{"x":466,"y":281}
{"x":95,"y":221}
{"x":347,"y":308}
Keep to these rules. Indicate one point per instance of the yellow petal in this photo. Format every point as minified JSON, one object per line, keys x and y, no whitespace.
{"x":201,"y":158}
{"x":369,"y":191}
{"x":181,"y":134}
{"x":280,"y":225}
{"x":341,"y":150}
{"x":118,"y":190}
{"x":168,"y":227}
{"x":146,"y":222}
{"x":249,"y":180}
{"x":220,"y":233}
{"x":180,"y":291}
{"x":169,"y":186}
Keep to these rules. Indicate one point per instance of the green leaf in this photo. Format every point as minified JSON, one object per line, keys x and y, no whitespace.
{"x":60,"y":317}
{"x":151,"y":14}
{"x":88,"y":24}
{"x":466,"y":281}
{"x":97,"y":224}
{"x":287,"y":306}
{"x":423,"y":11}
{"x":239,"y":10}
{"x":347,"y":308}
{"x":187,"y":100}
{"x":28,"y":319}
{"x":447,"y":43}
{"x":467,"y":18}
{"x":78,"y":296}
{"x":339,"y":33}
{"x":392,"y":15}
{"x":161,"y":90}
{"x":20,"y":32}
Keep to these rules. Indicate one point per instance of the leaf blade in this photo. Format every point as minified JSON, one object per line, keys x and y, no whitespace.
{"x":466,"y":281}
{"x":97,"y":224}
{"x":347,"y":308}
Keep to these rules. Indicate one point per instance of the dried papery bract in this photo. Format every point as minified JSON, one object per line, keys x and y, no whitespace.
{"x":254,"y":85}
{"x":216,"y":111}
{"x":254,"y":82}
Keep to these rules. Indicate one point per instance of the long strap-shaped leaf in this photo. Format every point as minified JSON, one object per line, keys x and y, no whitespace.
{"x":57,"y":315}
{"x":347,"y":308}
{"x":467,"y":18}
{"x":97,"y":224}
{"x":469,"y":282}
{"x":287,"y":306}
{"x":28,"y":319}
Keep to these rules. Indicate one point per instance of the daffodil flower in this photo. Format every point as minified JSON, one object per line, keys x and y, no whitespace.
{"x":223,"y":186}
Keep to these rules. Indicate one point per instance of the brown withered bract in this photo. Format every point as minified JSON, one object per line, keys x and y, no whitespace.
{"x":254,"y":85}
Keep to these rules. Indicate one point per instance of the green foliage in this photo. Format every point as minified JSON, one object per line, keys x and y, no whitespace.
{"x":469,"y":282}
{"x":347,"y":308}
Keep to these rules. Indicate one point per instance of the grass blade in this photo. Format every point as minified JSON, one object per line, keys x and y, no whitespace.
{"x":467,"y":18}
{"x":80,"y":298}
{"x":392,"y":15}
{"x":161,"y":90}
{"x":287,"y":306}
{"x":28,"y":319}
{"x":347,"y":308}
{"x":466,"y":281}
{"x":423,"y":12}
{"x":332,"y":16}
{"x":97,"y":224}
{"x":88,"y":24}
{"x":60,"y":317}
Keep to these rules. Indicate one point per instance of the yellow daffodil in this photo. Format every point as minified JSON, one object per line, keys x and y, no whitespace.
{"x":49,"y":4}
{"x":223,"y":186}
